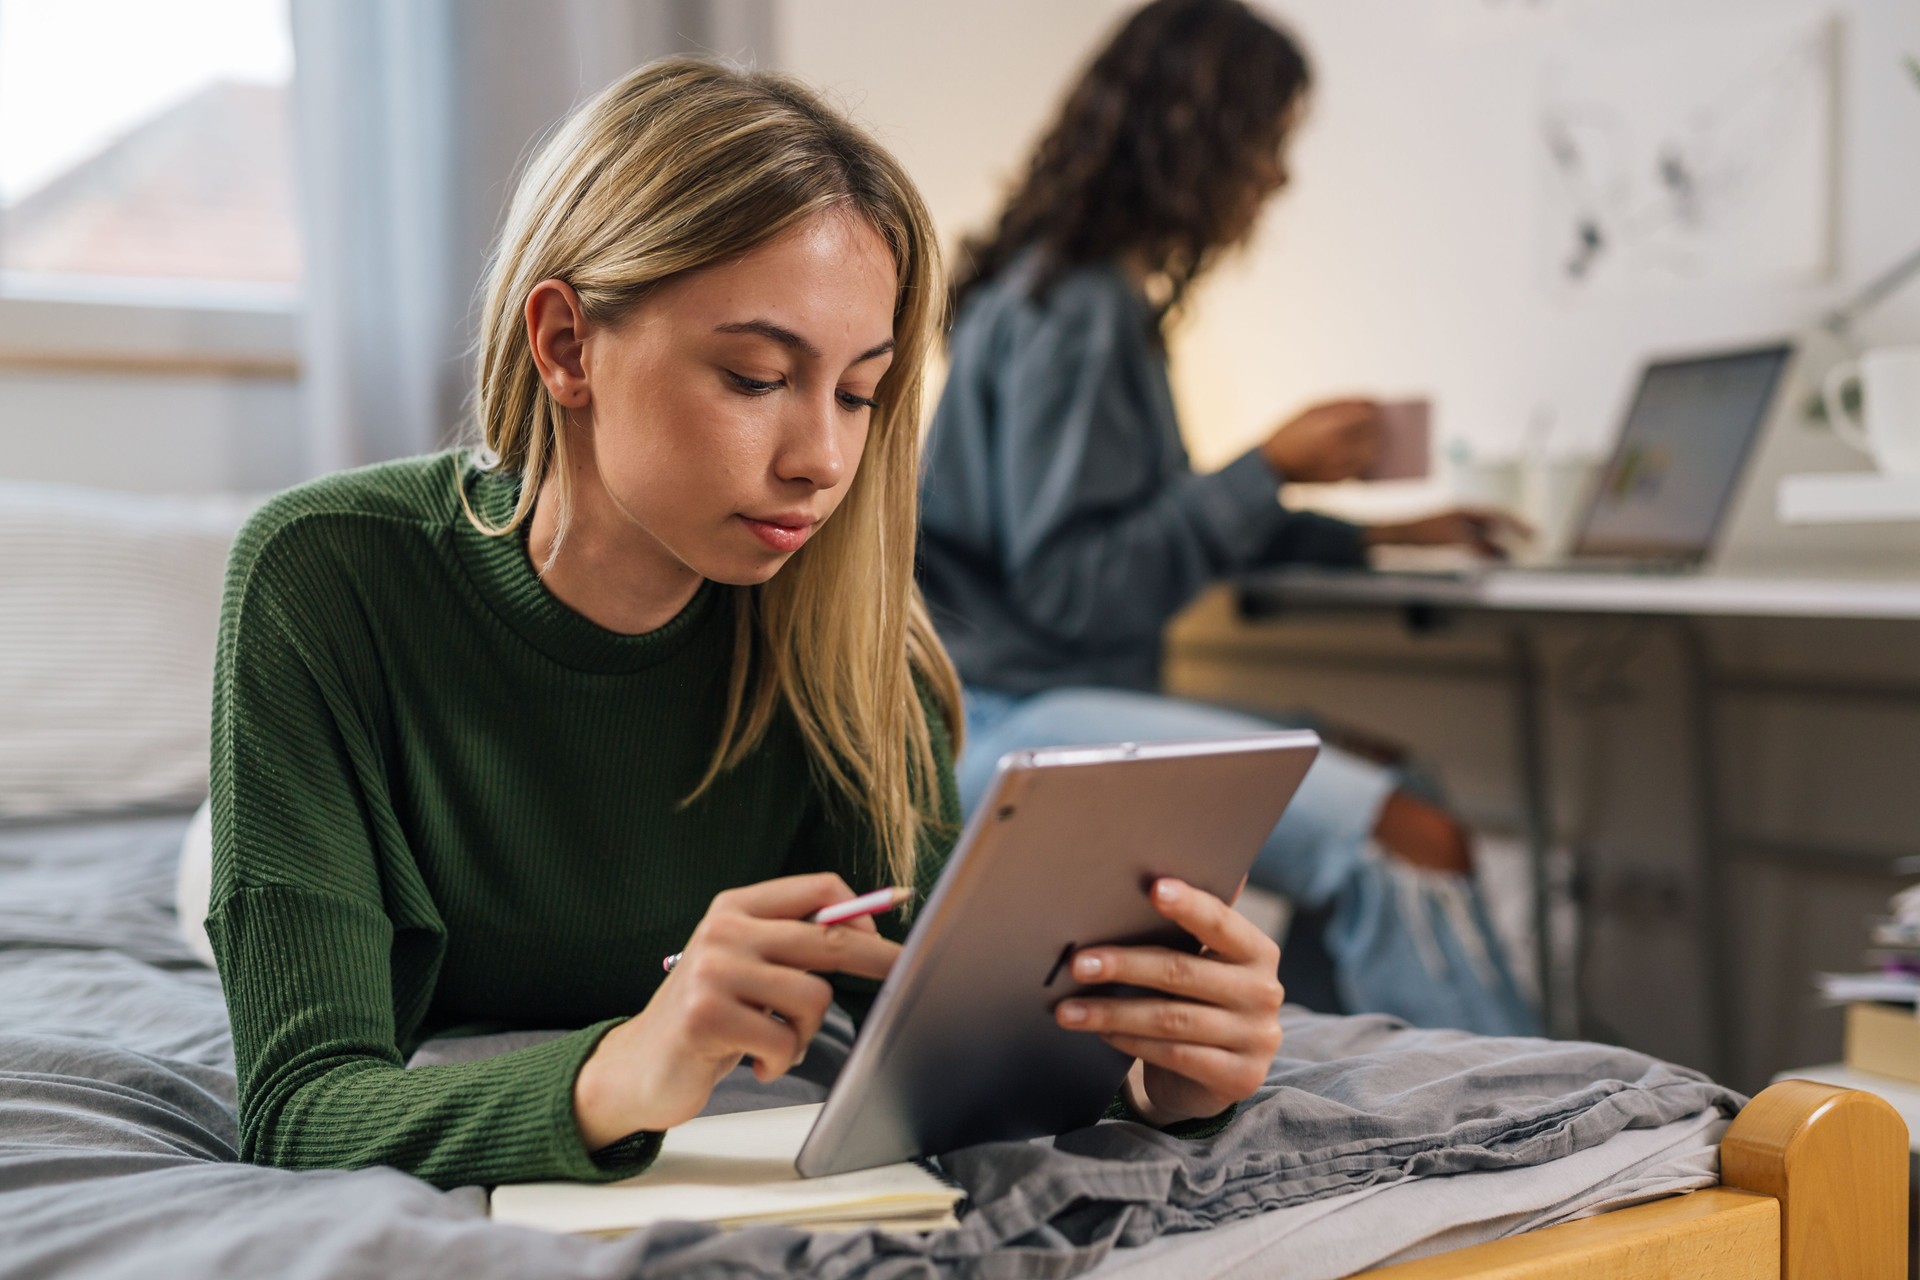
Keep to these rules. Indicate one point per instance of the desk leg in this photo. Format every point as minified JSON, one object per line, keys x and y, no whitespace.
{"x":1558,"y":990}
{"x":1714,"y":912}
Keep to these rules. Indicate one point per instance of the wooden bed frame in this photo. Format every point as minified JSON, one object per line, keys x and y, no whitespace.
{"x":1813,"y":1186}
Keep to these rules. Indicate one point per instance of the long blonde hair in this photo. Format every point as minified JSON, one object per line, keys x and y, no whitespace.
{"x":681,"y":164}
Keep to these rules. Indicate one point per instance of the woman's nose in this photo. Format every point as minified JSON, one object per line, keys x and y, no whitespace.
{"x":811,"y":450}
{"x":1273,"y":175}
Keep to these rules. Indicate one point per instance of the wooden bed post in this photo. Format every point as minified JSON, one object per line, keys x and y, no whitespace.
{"x":1836,"y":1160}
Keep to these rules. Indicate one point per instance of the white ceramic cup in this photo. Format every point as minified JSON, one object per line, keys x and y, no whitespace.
{"x":1888,"y":427}
{"x":1487,"y":482}
{"x":1553,"y":495}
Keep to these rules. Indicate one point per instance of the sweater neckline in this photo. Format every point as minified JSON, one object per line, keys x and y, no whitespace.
{"x":502,"y":570}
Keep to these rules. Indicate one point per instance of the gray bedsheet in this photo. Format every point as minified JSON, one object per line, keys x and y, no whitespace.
{"x":117,"y":1132}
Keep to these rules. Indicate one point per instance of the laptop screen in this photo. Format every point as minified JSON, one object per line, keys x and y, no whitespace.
{"x":1693,"y":422}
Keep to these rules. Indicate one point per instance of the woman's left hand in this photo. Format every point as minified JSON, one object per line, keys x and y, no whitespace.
{"x":1208,"y":1042}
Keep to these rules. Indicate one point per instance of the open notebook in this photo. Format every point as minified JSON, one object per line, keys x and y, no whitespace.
{"x":736,"y":1171}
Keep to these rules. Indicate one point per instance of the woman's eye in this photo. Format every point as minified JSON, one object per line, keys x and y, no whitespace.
{"x":848,"y":400}
{"x":751,"y":386}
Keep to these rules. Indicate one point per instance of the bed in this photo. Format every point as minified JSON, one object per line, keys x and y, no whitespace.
{"x":117,"y":1153}
{"x":1419,"y":1155}
{"x":1812,"y":1185}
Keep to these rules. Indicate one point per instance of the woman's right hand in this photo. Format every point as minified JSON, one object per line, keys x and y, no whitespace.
{"x":1337,"y":440}
{"x":747,"y":985}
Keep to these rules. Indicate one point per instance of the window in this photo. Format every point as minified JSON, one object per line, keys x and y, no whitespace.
{"x":146,"y":153}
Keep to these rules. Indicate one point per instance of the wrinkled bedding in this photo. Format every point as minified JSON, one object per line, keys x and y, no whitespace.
{"x":118,"y":1149}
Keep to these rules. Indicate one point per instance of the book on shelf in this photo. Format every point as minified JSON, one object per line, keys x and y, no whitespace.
{"x":737,"y":1170}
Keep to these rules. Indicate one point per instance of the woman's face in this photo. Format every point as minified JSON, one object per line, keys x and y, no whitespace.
{"x":726,"y":414}
{"x":1267,"y":175}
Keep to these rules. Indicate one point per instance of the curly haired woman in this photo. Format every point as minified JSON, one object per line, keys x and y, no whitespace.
{"x":1062,"y":526}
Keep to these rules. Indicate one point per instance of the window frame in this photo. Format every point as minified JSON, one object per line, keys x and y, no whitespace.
{"x":168,"y":332}
{"x":73,"y":323}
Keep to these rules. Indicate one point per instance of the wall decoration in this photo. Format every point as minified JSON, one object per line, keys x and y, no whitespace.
{"x":1707,"y":157}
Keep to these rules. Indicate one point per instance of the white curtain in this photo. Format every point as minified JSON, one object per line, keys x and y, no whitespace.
{"x":412,"y":119}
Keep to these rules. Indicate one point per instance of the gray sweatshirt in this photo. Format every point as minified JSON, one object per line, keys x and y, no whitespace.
{"x":1062,"y":524}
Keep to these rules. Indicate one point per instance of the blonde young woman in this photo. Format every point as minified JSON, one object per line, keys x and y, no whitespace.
{"x":494,"y":733}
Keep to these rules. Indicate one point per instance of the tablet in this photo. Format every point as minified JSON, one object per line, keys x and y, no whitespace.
{"x":961,"y":1046}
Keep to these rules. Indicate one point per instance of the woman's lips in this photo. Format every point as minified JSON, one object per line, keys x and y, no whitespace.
{"x":784,"y":538}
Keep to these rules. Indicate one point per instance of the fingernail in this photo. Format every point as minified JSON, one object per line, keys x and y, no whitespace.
{"x":1167,"y":890}
{"x":1073,"y":1013}
{"x":1088,"y":966}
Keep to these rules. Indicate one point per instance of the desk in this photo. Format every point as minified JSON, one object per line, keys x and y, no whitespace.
{"x":1632,"y":594}
{"x":1512,"y":597}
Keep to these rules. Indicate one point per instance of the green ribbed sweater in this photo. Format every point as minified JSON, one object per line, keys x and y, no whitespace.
{"x":443,"y":801}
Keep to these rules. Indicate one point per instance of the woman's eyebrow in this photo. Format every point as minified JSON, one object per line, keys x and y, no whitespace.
{"x":788,"y":338}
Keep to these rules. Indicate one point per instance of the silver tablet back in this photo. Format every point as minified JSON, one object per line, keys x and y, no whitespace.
{"x":961,"y":1046}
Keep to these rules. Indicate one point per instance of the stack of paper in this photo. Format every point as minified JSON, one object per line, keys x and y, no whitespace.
{"x":737,"y":1171}
{"x":1888,"y":988}
{"x":1896,"y":955}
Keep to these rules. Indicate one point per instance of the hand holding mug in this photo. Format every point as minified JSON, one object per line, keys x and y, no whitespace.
{"x":1337,"y":440}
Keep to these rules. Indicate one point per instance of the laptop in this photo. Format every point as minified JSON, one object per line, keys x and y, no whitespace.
{"x":1660,"y":500}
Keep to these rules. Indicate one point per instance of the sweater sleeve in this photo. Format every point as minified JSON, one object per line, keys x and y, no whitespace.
{"x":325,"y":935}
{"x":1102,"y":540}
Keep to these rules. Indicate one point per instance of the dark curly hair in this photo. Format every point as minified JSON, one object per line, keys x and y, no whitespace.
{"x":1163,"y":150}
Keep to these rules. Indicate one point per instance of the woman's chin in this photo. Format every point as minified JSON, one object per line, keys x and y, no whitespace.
{"x":745,"y":571}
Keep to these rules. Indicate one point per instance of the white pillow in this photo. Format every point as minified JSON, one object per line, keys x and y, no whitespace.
{"x":109,"y":606}
{"x":193,"y":883}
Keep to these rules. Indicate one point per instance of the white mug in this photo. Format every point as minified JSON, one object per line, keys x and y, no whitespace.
{"x":1888,"y":429}
{"x":1553,"y":495}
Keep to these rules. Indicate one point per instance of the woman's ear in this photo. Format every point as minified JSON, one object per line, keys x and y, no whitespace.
{"x":557,"y":332}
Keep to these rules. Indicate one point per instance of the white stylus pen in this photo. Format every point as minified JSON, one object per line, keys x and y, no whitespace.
{"x":867,"y":904}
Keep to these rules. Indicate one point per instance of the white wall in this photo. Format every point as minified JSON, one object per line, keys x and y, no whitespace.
{"x":1404,"y":257}
{"x":958,"y":92}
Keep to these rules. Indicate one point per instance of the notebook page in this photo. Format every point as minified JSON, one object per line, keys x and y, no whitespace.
{"x":734,"y":1169}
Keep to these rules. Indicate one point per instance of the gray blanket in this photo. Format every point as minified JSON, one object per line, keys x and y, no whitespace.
{"x":117,"y":1138}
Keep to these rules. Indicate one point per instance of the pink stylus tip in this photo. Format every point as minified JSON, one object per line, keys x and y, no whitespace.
{"x":866,"y":904}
